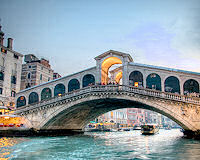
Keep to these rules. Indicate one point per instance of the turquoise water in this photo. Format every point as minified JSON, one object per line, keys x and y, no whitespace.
{"x":168,"y":144}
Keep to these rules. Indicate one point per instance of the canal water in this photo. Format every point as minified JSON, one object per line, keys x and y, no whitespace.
{"x":168,"y":144}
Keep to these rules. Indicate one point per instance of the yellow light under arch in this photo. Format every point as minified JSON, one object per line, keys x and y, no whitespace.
{"x":118,"y":77}
{"x":106,"y":64}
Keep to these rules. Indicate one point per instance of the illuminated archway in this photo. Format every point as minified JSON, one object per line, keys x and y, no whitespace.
{"x":118,"y":77}
{"x":106,"y":64}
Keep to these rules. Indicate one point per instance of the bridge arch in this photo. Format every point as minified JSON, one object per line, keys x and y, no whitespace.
{"x":172,"y":84}
{"x":33,"y":98}
{"x":46,"y":93}
{"x":79,"y":112}
{"x":191,"y":86}
{"x":59,"y":89}
{"x":73,"y":84}
{"x":87,"y":80}
{"x":153,"y":81}
{"x":136,"y":79}
{"x":21,"y":101}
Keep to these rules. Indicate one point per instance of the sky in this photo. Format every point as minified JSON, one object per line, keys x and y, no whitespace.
{"x":70,"y":33}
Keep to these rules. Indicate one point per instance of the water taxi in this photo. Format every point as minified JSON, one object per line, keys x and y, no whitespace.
{"x":149,"y":129}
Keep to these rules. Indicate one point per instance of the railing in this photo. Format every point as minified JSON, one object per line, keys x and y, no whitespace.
{"x":115,"y":88}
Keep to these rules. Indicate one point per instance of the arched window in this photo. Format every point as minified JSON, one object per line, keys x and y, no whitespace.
{"x":21,"y":101}
{"x":33,"y":98}
{"x":29,"y":75}
{"x":1,"y":76}
{"x":191,"y":86}
{"x":59,"y":89}
{"x":172,"y":85}
{"x":88,"y":80}
{"x":154,"y":81}
{"x":13,"y":93}
{"x":46,"y":94}
{"x":136,"y":79}
{"x":73,"y":85}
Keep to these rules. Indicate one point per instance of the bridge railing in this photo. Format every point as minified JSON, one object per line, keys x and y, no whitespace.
{"x":116,"y":88}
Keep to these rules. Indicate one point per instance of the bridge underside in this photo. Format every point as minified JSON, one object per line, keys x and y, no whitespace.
{"x":77,"y":116}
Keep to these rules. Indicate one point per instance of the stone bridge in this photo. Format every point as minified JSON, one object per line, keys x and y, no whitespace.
{"x":75,"y":109}
{"x":72,"y":101}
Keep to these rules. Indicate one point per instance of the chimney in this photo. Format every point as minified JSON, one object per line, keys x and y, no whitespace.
{"x":10,"y":43}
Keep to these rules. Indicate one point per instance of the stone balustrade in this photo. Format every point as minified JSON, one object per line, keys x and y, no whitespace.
{"x":111,"y":89}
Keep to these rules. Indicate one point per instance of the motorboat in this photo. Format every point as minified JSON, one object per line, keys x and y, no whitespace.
{"x":149,"y":129}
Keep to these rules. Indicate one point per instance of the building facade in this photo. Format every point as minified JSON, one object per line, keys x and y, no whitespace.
{"x":35,"y":71}
{"x":10,"y":71}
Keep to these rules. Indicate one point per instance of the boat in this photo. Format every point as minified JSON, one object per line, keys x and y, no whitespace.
{"x":149,"y":129}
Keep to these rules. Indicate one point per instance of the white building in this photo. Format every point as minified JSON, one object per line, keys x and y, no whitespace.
{"x":10,"y":71}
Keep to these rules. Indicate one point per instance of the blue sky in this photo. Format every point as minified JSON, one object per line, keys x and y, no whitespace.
{"x":70,"y":33}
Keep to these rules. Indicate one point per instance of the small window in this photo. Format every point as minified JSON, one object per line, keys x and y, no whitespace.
{"x":29,"y":75}
{"x":49,"y":79}
{"x":16,"y":56}
{"x":29,"y":66}
{"x":13,"y":79}
{"x":41,"y":68}
{"x":1,"y":76}
{"x":1,"y":90}
{"x":13,"y":94}
{"x":41,"y":77}
{"x":28,"y":85}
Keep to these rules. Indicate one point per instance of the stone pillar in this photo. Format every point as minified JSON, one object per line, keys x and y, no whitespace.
{"x":162,"y":83}
{"x":98,"y":71}
{"x":125,"y":80}
{"x":181,"y":87}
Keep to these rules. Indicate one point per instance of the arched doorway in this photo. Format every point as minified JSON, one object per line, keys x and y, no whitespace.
{"x":153,"y":81}
{"x":136,"y":79}
{"x":105,"y":66}
{"x":33,"y":98}
{"x":191,"y":86}
{"x":73,"y":85}
{"x":46,"y":94}
{"x":172,"y":85}
{"x":59,"y":89}
{"x":88,"y":79}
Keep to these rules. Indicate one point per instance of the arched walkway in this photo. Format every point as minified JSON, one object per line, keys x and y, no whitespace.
{"x":153,"y":81}
{"x":73,"y":85}
{"x":33,"y":98}
{"x":106,"y":64}
{"x":136,"y":79}
{"x":46,"y":94}
{"x":172,"y":85}
{"x":21,"y":101}
{"x":59,"y":89}
{"x":88,"y":79}
{"x":191,"y":86}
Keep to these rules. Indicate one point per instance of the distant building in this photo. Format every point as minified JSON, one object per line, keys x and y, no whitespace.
{"x":35,"y":71}
{"x":116,"y":116}
{"x":56,"y":75}
{"x":10,"y":72}
{"x":135,"y":116}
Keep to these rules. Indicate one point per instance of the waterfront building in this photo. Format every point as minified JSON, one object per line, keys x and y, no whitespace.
{"x":10,"y":72}
{"x":135,"y":116}
{"x":117,"y":116}
{"x":35,"y":71}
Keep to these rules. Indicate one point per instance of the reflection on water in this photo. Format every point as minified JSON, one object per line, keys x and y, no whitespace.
{"x":168,"y":144}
